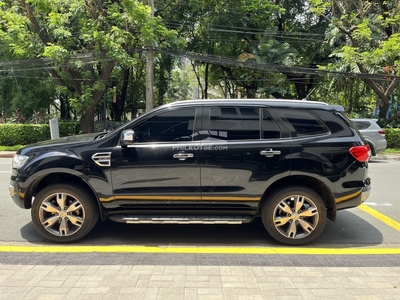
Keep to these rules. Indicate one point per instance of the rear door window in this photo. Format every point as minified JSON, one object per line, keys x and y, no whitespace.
{"x":234,"y":123}
{"x":270,"y":129}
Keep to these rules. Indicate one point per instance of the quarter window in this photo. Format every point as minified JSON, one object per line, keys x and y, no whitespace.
{"x":302,"y":123}
{"x":362,"y":124}
{"x":172,"y":126}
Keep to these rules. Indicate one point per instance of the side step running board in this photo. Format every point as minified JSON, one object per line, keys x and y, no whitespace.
{"x":182,"y":219}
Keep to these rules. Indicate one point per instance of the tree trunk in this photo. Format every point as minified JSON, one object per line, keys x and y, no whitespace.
{"x":206,"y":81}
{"x":63,"y":108}
{"x":195,"y":70}
{"x":118,"y":107}
{"x":164,"y":77}
{"x":303,"y":87}
{"x":87,"y":119}
{"x":251,"y":92}
{"x":350,"y":104}
{"x":383,"y":109}
{"x":88,"y":113}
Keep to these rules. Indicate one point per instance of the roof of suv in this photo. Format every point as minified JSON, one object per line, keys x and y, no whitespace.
{"x":269,"y":102}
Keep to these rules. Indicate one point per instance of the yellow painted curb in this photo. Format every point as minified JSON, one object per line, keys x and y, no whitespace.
{"x":381,"y":217}
{"x":200,"y":250}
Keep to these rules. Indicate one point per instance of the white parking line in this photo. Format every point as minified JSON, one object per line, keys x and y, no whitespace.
{"x":384,"y":204}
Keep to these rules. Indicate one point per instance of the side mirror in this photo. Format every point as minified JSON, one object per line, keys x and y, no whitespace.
{"x":127,"y":137}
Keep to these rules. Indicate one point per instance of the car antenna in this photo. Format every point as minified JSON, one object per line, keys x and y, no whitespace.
{"x":308,"y":95}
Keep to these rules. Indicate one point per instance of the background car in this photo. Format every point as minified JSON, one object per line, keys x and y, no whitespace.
{"x":373,"y":133}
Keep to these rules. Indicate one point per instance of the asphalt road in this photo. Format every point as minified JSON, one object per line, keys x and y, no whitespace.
{"x":353,"y":228}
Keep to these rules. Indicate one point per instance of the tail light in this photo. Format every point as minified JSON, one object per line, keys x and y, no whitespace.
{"x":361,"y":153}
{"x":381,"y":132}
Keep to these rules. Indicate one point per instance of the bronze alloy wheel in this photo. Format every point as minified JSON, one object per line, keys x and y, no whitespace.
{"x":64,"y":212}
{"x":294,"y":215}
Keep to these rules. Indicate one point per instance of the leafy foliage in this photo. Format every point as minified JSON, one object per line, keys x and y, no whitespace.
{"x":24,"y":134}
{"x":69,"y":55}
{"x":393,"y":137}
{"x":366,"y":38}
{"x":80,"y":41}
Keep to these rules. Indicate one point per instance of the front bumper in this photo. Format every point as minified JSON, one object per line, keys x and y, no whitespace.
{"x":16,"y":194}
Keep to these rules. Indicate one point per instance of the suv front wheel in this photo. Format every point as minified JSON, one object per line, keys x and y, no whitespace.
{"x":64,"y":213}
{"x":294,"y":215}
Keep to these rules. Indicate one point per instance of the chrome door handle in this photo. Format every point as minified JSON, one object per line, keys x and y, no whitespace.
{"x":183,"y":156}
{"x":270,"y":152}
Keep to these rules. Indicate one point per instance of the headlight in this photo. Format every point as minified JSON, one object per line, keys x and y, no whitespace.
{"x":19,"y":161}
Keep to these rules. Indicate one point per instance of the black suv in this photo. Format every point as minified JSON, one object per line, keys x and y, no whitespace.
{"x":292,"y":163}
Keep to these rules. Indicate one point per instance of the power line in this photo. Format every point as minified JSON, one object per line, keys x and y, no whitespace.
{"x":268,"y":67}
{"x":45,"y":64}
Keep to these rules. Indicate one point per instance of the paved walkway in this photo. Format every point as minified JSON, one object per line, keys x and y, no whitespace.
{"x":197,"y":276}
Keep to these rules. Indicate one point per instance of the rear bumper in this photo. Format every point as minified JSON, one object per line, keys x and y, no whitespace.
{"x":356,"y":198}
{"x":381,"y":146}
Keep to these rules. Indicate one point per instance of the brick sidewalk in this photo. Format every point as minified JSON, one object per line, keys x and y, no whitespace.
{"x":156,"y":276}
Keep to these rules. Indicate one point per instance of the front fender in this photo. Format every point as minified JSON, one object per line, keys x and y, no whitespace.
{"x":46,"y":169}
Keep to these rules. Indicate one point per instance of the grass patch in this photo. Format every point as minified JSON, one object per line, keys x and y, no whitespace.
{"x":11,"y":148}
{"x":392,"y":150}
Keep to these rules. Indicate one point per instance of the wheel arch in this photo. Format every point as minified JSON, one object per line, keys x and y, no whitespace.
{"x":60,"y":177}
{"x":373,"y":147}
{"x":313,"y":183}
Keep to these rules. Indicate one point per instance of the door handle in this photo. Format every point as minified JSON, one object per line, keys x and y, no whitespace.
{"x":270,"y":152}
{"x":183,"y":156}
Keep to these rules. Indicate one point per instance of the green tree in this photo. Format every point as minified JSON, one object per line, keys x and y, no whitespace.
{"x":25,"y":91}
{"x":365,"y":37}
{"x":80,"y":42}
{"x":260,"y":33}
{"x":224,"y":29}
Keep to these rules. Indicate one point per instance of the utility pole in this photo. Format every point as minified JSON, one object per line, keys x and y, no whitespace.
{"x":150,"y":69}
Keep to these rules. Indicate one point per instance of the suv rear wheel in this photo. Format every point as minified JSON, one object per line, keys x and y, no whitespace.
{"x":294,"y":215}
{"x":64,"y":213}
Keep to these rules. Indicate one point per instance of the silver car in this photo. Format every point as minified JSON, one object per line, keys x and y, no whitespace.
{"x":373,"y":133}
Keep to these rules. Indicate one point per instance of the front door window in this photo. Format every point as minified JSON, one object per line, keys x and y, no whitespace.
{"x":171,"y":126}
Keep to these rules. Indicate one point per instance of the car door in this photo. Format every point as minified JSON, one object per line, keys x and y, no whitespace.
{"x":162,"y":167}
{"x":245,"y":152}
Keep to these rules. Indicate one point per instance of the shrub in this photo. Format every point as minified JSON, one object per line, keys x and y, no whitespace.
{"x":393,"y":137}
{"x":24,"y":134}
{"x":68,"y":128}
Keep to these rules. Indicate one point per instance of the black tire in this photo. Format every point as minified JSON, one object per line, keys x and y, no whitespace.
{"x":64,"y":224}
{"x":294,"y":215}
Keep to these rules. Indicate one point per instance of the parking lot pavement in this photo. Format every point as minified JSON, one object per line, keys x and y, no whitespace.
{"x":197,"y":276}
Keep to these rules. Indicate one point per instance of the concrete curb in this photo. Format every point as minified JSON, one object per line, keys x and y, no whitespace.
{"x":7,"y":154}
{"x":386,"y":156}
